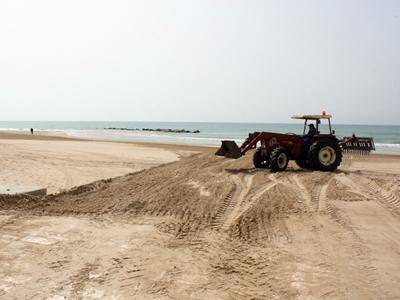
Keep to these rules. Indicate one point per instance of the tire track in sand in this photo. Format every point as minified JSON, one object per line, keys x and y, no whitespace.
{"x":226,"y":204}
{"x":387,"y":198}
{"x":361,"y":252}
{"x":368,"y":188}
{"x":305,"y":195}
{"x":245,"y":186}
{"x":232,"y":202}
{"x":323,"y":204}
{"x":319,"y":198}
{"x":316,"y":200}
{"x":241,"y":209}
{"x":355,"y":245}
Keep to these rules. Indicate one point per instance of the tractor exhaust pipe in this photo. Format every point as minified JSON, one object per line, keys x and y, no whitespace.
{"x":229,"y":149}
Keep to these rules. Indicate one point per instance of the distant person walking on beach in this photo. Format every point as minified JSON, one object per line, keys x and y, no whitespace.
{"x":31,"y":130}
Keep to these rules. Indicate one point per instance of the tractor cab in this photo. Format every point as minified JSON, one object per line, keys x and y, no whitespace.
{"x":310,"y":119}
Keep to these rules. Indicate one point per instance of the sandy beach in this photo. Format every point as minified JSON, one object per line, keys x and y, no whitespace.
{"x":148,"y":221}
{"x":57,"y":162}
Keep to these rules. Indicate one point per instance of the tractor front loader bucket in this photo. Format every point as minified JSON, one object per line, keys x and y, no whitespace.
{"x":357,"y":145}
{"x":229,"y":149}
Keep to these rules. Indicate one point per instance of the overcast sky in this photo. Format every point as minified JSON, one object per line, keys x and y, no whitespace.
{"x":201,"y":60}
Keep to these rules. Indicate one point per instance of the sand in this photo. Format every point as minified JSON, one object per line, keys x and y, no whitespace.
{"x":205,"y":227}
{"x":59,"y":163}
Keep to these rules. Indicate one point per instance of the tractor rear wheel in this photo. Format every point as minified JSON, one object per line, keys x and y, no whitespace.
{"x":325,"y":155}
{"x":259,"y":160}
{"x":279,"y":159}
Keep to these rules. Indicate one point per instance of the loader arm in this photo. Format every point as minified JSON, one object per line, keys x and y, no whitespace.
{"x":230,"y":149}
{"x":251,"y":142}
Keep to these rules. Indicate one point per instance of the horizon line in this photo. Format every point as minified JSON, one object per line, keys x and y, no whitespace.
{"x":218,"y":122}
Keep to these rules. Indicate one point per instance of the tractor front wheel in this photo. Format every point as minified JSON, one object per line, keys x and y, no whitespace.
{"x":259,"y":160}
{"x":279,"y":159}
{"x":325,"y":155}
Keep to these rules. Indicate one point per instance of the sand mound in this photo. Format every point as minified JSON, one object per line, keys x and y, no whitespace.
{"x":204,"y":192}
{"x":198,"y":193}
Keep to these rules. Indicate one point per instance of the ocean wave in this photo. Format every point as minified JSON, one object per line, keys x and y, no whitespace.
{"x":387,"y":145}
{"x":36,"y":129}
{"x":14,"y":129}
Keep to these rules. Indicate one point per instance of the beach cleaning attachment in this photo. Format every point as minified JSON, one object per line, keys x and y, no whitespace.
{"x":357,"y":145}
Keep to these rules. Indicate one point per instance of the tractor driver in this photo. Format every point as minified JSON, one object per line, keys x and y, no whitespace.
{"x":308,"y":138}
{"x":311,"y":131}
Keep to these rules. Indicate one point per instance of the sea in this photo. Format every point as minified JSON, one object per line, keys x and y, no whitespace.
{"x":386,"y":137}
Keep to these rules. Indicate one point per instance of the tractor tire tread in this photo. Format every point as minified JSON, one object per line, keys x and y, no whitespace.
{"x":274,"y":159}
{"x":314,"y":152}
{"x":258,"y":159}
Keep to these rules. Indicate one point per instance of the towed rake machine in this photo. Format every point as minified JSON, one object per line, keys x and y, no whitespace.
{"x":314,"y":150}
{"x":357,"y":145}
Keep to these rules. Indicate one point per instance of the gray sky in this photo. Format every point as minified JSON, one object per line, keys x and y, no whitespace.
{"x":199,"y":60}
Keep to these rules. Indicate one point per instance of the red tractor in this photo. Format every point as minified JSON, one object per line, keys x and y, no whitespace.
{"x":314,"y":150}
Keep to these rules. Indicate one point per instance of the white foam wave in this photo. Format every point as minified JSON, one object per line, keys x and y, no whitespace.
{"x":387,"y":145}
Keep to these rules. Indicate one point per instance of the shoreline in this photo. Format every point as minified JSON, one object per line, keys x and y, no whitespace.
{"x":60,"y":136}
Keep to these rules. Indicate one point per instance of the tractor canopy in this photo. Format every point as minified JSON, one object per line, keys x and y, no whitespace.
{"x":312,"y":117}
{"x":317,"y":119}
